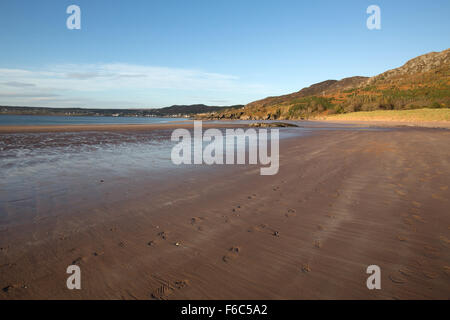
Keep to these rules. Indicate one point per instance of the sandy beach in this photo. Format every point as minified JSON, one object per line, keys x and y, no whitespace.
{"x":343,"y":199}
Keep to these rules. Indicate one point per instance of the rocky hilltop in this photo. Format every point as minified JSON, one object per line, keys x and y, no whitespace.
{"x":422,"y":82}
{"x":430,"y":62}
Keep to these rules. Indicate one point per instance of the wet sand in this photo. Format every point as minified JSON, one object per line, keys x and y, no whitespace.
{"x":106,"y":127}
{"x":342,"y":200}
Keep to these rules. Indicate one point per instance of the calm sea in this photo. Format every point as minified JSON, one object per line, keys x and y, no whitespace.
{"x":20,"y":120}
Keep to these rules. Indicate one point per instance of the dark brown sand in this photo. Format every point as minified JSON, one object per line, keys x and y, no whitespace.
{"x":342,"y":200}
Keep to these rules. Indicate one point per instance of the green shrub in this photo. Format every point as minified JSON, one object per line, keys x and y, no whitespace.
{"x":436,"y":105}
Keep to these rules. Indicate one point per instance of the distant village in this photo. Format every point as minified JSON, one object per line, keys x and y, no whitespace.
{"x":178,"y":111}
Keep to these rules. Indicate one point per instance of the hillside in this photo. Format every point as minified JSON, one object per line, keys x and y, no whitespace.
{"x":422,"y":82}
{"x":189,"y":110}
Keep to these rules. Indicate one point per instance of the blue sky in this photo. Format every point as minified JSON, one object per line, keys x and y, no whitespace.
{"x":157,"y":53}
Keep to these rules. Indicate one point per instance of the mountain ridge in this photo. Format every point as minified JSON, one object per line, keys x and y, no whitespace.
{"x":422,"y":82}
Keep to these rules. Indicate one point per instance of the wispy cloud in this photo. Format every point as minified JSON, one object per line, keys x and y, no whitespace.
{"x":18,"y":84}
{"x":82,"y":75}
{"x":108,"y":83}
{"x":26,"y":95}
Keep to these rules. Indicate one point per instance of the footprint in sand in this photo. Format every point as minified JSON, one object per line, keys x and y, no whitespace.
{"x":443,"y":188}
{"x":318,"y":244}
{"x":418,"y":218}
{"x":226,"y":219}
{"x":12,"y":287}
{"x":162,"y":293}
{"x":8,"y":288}
{"x":392,"y":185}
{"x":447,"y":270}
{"x":415,"y":210}
{"x":79,"y":260}
{"x":254,"y":229}
{"x":431,"y":252}
{"x":416,"y":204}
{"x":336,"y":194}
{"x":444,"y":241}
{"x":404,"y":215}
{"x":263,"y":228}
{"x":180,"y":284}
{"x":397,"y":279}
{"x":402,"y":237}
{"x":406,"y":272}
{"x":430,"y":274}
{"x":438,"y":197}
{"x":232,"y":253}
{"x":162,"y":235}
{"x":168,"y":288}
{"x":290,"y":213}
{"x":306,"y":268}
{"x":197,"y":220}
{"x":408,"y":221}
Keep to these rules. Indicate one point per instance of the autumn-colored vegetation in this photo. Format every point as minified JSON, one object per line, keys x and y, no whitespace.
{"x":423,"y":82}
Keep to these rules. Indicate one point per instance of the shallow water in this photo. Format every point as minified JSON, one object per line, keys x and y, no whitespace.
{"x":44,"y":172}
{"x":23,"y":120}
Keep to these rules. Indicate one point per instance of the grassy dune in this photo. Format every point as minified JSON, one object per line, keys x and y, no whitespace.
{"x":394,"y":115}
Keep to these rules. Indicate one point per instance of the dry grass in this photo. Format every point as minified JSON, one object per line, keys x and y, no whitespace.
{"x":394,"y":115}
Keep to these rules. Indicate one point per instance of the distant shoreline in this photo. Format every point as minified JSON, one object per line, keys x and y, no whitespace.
{"x":172,"y":111}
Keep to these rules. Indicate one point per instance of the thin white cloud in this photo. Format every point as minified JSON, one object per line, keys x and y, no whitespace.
{"x":109,"y":83}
